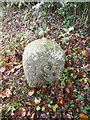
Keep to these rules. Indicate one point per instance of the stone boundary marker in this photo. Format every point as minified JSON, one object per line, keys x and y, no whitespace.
{"x":43,"y":62}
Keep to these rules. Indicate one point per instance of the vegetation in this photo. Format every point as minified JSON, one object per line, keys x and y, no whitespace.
{"x":68,"y":25}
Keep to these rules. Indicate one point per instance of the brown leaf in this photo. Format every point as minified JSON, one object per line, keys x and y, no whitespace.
{"x":18,"y":66}
{"x":83,"y":116}
{"x":18,"y":55}
{"x":52,"y":92}
{"x":31,"y":92}
{"x":2,"y":69}
{"x":32,"y":116}
{"x":5,"y":59}
{"x":30,"y":103}
{"x":77,"y":61}
{"x":21,"y":112}
{"x":44,"y":87}
{"x":78,"y":100}
{"x":28,"y":113}
{"x":84,"y":52}
{"x":77,"y":35}
{"x":69,"y":88}
{"x":68,"y":52}
{"x":84,"y":41}
{"x":6,"y":93}
{"x":62,"y":102}
{"x":1,"y":111}
{"x":36,"y":101}
{"x":12,"y":70}
{"x":67,"y":63}
{"x":80,"y":74}
{"x":68,"y":116}
{"x":77,"y":51}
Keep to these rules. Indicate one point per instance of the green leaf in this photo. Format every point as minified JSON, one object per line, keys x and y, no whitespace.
{"x":26,"y":17}
{"x":68,"y":30}
{"x":1,"y":63}
{"x":71,"y":29}
{"x":81,"y":97}
{"x":43,"y":13}
{"x":38,"y":108}
{"x":75,"y":91}
{"x":65,"y":30}
{"x":13,"y":107}
{"x":49,"y":105}
{"x":14,"y":92}
{"x":88,"y":99}
{"x":63,"y":83}
{"x":41,"y":33}
{"x":54,"y":107}
{"x":44,"y":26}
{"x":20,"y":4}
{"x":65,"y":40}
{"x":43,"y":108}
{"x":65,"y":70}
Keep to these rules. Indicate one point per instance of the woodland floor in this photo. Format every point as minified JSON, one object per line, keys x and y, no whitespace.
{"x":68,"y":99}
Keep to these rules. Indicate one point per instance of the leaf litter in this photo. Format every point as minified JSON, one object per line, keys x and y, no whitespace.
{"x":59,"y":101}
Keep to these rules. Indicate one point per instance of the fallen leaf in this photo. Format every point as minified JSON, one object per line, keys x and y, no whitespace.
{"x":28,"y":113}
{"x":78,"y":100}
{"x":84,"y":41}
{"x":0,"y":110}
{"x":18,"y":55}
{"x":2,"y":69}
{"x":68,"y":116}
{"x":77,"y":51}
{"x":62,"y":102}
{"x":36,"y":101}
{"x":30,"y":103}
{"x":80,"y":74}
{"x":6,"y":93}
{"x":83,"y":116}
{"x":5,"y":59}
{"x":12,"y":70}
{"x":77,"y":35}
{"x":18,"y":66}
{"x":84,"y":52}
{"x":31,"y":92}
{"x":69,"y":87}
{"x":67,"y":64}
{"x":68,"y":52}
{"x":68,"y":90}
{"x":21,"y":112}
{"x":32,"y":116}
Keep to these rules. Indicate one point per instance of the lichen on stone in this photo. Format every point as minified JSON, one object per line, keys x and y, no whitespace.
{"x":43,"y":62}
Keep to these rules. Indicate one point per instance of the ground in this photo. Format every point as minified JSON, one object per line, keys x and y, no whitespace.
{"x":68,"y":99}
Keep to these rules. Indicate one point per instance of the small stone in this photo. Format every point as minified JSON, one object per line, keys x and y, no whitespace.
{"x":43,"y":62}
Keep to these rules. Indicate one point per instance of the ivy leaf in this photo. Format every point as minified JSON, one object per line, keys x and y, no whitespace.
{"x":71,"y":29}
{"x":38,"y":108}
{"x":20,"y":4}
{"x":41,"y":33}
{"x":54,"y":107}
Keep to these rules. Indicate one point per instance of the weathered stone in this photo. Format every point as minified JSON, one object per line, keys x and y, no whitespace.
{"x":43,"y":62}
